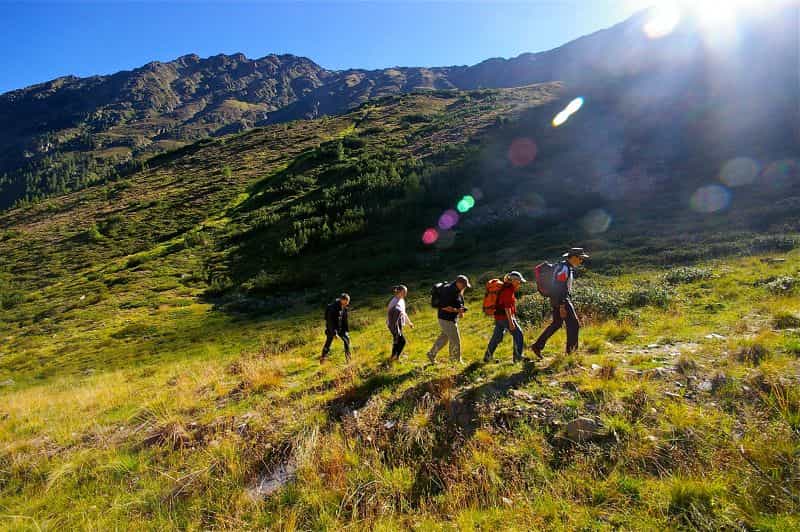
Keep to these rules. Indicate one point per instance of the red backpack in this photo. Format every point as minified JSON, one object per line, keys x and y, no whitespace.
{"x":544,"y":274}
{"x":493,"y":288}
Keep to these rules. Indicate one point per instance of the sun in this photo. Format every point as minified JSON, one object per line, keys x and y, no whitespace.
{"x":711,"y":16}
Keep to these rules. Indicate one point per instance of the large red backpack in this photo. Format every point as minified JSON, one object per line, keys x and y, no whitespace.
{"x":493,"y":288}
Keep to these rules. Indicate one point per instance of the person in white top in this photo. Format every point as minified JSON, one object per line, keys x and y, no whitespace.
{"x":396,"y":318}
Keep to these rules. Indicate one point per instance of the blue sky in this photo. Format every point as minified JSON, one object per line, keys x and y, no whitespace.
{"x":41,"y":40}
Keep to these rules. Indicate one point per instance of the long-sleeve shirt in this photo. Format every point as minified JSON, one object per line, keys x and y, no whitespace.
{"x":396,"y":315}
{"x":451,"y":297}
{"x":563,"y":276}
{"x":336,"y":318}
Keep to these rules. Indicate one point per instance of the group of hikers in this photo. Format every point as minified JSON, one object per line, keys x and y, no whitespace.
{"x":554,"y":281}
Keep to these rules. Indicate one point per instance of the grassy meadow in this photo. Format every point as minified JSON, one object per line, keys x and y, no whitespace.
{"x":160,"y":335}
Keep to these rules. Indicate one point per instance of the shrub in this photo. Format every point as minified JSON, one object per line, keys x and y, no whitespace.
{"x":617,"y":332}
{"x":9,"y":300}
{"x":533,"y":309}
{"x":752,"y":353}
{"x":786,"y":320}
{"x":596,"y":302}
{"x":195,"y":238}
{"x":686,"y":274}
{"x":685,"y":364}
{"x":782,"y":285}
{"x":691,"y":503}
{"x":649,"y":294}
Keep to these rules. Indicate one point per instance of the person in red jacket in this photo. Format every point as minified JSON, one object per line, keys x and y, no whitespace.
{"x":505,"y":318}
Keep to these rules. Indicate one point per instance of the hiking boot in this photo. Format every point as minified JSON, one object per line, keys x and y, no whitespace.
{"x":536,"y":351}
{"x":487,"y":359}
{"x":432,"y":358}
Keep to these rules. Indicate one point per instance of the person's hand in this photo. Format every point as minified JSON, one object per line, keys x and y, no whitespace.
{"x":562,"y":311}
{"x":512,"y":326}
{"x":410,"y":324}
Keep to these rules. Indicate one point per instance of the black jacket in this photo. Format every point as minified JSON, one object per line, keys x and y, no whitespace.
{"x":450,"y":297}
{"x":336,"y":319}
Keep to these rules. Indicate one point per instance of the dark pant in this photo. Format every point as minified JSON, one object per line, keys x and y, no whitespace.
{"x":572,"y":328}
{"x":330,"y":335}
{"x":398,"y":344}
{"x":500,"y":328}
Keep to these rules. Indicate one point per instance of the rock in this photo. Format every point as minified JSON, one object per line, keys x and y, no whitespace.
{"x":389,"y":425}
{"x":652,"y":438}
{"x":554,"y":384}
{"x":7,"y":382}
{"x":715,"y":336}
{"x":583,"y":429}
{"x":705,"y":386}
{"x":772,"y":260}
{"x":507,"y":501}
{"x":672,"y":395}
{"x":525,"y":396}
{"x":653,"y":346}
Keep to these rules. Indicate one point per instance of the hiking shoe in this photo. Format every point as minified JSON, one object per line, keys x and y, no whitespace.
{"x":536,"y":351}
{"x":432,"y":358}
{"x":487,"y":359}
{"x":522,"y":359}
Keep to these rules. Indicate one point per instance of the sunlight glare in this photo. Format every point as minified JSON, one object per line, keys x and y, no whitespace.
{"x":664,"y":17}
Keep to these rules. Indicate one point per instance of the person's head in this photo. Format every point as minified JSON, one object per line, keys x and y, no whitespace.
{"x":344,"y":300}
{"x":462,"y":282}
{"x":515,"y":278}
{"x":400,"y":291}
{"x":576,"y":256}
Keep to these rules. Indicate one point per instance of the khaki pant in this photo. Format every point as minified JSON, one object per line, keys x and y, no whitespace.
{"x":450,"y":334}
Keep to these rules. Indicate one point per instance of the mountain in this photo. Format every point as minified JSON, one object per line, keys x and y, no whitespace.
{"x":70,"y":132}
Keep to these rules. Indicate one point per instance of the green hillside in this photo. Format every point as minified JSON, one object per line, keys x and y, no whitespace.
{"x":160,"y":333}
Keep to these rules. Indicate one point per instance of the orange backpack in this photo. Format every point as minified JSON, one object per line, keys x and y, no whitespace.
{"x":493,"y":288}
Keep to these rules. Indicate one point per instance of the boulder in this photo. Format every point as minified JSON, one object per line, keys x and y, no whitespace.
{"x":584,"y":429}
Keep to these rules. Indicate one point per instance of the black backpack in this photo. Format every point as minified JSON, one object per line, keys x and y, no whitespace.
{"x":436,"y":294}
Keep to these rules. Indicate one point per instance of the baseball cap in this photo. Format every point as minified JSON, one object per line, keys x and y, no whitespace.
{"x":516,"y":275}
{"x":464,"y":279}
{"x":576,"y":252}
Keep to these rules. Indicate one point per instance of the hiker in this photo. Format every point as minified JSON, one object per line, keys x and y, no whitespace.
{"x":561,"y":301}
{"x":505,"y":317}
{"x":396,"y":318}
{"x":450,"y":302}
{"x":336,"y":325}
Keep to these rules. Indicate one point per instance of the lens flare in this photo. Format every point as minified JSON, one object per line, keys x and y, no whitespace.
{"x":780,"y":175}
{"x":710,"y":199}
{"x":596,"y":221}
{"x":662,"y":20}
{"x":739,"y":172}
{"x":522,"y":152}
{"x":430,"y":236}
{"x":465,"y":204}
{"x":573,"y":107}
{"x":448,"y":220}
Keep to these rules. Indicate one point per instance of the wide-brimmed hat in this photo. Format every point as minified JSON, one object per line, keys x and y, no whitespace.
{"x":464,"y":279}
{"x":576,"y":252}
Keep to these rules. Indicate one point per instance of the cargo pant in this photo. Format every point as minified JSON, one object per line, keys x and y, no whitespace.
{"x":450,"y":333}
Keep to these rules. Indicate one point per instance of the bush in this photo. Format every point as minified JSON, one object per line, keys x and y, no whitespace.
{"x":782,"y":285}
{"x":752,"y":353}
{"x":649,"y":294}
{"x":786,"y":320}
{"x":596,"y":302}
{"x":686,"y":274}
{"x":691,"y":503}
{"x":9,"y":300}
{"x":195,"y":238}
{"x":616,"y":332}
{"x":533,"y":309}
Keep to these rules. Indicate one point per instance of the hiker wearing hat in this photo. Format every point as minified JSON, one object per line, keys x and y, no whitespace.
{"x":505,"y":318}
{"x":336,"y":325}
{"x":561,"y":301}
{"x":451,"y":308}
